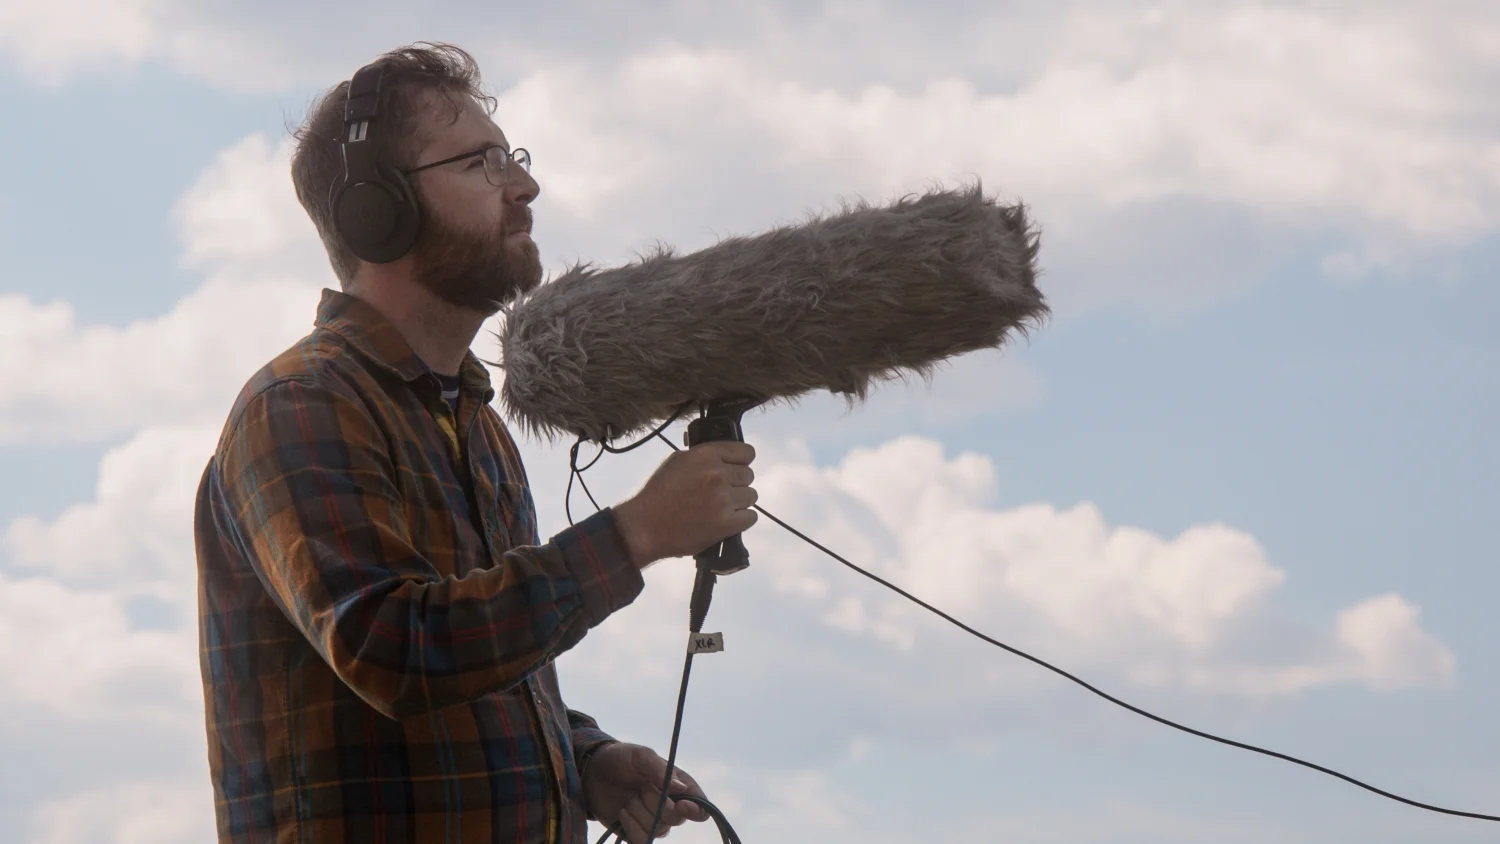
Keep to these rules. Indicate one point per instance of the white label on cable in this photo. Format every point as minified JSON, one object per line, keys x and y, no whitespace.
{"x":705,"y":643}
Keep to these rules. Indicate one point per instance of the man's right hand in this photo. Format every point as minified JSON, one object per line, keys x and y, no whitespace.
{"x":694,"y":499}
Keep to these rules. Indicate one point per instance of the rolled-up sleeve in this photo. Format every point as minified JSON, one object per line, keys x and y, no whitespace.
{"x":305,"y":484}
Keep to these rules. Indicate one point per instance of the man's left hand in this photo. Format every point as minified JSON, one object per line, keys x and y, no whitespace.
{"x":622,"y":785}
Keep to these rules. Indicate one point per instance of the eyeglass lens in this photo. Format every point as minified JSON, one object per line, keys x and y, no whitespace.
{"x":497,"y":163}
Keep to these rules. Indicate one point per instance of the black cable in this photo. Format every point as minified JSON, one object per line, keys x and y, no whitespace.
{"x":681,"y":408}
{"x":1135,"y":709}
{"x":703,"y":587}
{"x":726,"y":832}
{"x":702,"y":594}
{"x":591,"y":462}
{"x":1106,"y":696}
{"x":575,"y":472}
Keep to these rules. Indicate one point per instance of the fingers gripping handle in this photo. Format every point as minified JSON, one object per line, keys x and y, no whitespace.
{"x":720,"y":422}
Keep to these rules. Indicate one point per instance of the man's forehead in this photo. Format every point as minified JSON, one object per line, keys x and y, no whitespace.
{"x":444,"y":131}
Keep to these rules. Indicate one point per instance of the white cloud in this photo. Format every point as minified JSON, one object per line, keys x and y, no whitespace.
{"x":1259,"y":129}
{"x":76,"y":653}
{"x":1145,"y":609}
{"x":48,"y":42}
{"x":1194,"y":615}
{"x":242,"y":213}
{"x":1378,"y":642}
{"x":1267,"y":115}
{"x":137,"y":533}
{"x":1120,"y":596}
{"x":128,"y":813}
{"x":1392,"y":648}
{"x":68,"y":637}
{"x":1361,"y":124}
{"x":61,"y":380}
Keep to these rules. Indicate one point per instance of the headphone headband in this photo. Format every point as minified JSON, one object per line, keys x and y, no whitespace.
{"x":362,"y":101}
{"x":374,"y":209}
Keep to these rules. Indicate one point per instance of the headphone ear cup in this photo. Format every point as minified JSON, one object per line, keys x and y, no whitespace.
{"x":408,"y":213}
{"x":378,"y":220}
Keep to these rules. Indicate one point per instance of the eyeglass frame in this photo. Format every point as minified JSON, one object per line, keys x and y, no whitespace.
{"x":511,"y":157}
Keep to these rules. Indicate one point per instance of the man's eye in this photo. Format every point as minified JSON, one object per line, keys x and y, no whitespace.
{"x":477,"y":162}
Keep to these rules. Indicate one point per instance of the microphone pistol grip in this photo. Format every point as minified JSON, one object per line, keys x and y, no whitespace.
{"x":720,"y":422}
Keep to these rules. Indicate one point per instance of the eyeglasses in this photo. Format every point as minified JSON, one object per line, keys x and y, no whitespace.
{"x":497,"y":162}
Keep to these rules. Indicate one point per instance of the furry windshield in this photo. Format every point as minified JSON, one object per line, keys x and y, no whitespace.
{"x":836,"y":303}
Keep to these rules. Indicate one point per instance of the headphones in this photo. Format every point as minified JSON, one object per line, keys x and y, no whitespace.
{"x":375,"y":210}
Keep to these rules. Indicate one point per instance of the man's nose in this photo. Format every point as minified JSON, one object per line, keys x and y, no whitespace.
{"x":520,"y":187}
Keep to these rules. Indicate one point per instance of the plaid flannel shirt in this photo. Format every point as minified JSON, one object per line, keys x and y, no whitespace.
{"x":377,"y":621}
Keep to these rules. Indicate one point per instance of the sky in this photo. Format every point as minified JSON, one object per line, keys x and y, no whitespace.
{"x":1244,"y":477}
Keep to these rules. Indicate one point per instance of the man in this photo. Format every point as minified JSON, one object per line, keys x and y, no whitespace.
{"x":378,"y":621}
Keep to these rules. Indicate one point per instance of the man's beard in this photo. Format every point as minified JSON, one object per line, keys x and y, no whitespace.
{"x":473,"y":271}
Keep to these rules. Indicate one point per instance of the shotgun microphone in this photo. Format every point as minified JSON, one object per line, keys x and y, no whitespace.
{"x":835,"y":303}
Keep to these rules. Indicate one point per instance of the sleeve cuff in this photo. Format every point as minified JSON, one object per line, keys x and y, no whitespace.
{"x":597,"y":560}
{"x":587,"y":739}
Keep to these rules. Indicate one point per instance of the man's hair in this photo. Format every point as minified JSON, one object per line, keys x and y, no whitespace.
{"x":410,"y":73}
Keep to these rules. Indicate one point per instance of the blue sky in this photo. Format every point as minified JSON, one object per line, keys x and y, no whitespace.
{"x":1324,"y":438}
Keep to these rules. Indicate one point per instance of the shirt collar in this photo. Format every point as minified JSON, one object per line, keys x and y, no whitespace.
{"x":374,"y":337}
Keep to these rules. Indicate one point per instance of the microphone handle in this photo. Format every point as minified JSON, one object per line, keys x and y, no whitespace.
{"x":720,"y":422}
